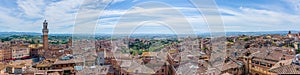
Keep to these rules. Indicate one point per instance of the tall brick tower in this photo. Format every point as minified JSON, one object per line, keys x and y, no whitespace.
{"x":45,"y":36}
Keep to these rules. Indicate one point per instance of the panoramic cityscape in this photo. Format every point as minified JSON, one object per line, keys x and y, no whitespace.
{"x":155,"y":37}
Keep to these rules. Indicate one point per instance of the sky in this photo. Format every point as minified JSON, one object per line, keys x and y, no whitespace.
{"x":152,"y":16}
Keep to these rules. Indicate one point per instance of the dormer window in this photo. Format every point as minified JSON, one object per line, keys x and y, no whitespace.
{"x":297,"y":69}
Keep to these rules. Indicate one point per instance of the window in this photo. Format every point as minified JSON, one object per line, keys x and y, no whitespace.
{"x":270,"y":65}
{"x":256,"y":62}
{"x":162,"y":70}
{"x":136,"y":71}
{"x":253,"y":61}
{"x":263,"y":64}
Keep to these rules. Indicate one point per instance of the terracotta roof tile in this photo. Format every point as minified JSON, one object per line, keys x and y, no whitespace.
{"x":287,"y":69}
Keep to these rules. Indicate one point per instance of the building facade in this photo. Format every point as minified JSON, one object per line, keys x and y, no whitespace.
{"x":261,"y":62}
{"x":1,"y":55}
{"x":19,"y":52}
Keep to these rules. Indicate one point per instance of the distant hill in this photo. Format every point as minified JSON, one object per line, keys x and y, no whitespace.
{"x":18,"y":33}
{"x":251,"y":33}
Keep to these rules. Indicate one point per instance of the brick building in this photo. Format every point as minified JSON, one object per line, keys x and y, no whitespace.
{"x":261,"y":61}
{"x":20,"y":52}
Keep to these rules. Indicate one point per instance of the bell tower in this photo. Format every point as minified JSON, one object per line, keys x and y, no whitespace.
{"x":45,"y":36}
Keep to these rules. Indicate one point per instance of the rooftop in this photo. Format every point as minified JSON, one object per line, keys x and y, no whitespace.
{"x":67,"y":61}
{"x":287,"y":69}
{"x":149,"y":54}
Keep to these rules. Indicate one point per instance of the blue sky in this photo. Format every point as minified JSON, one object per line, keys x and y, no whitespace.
{"x":62,"y":15}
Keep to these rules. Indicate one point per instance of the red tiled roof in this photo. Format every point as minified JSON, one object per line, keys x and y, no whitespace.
{"x":230,"y":65}
{"x":287,"y":69}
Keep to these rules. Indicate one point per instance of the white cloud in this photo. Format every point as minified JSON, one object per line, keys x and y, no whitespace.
{"x":294,"y":3}
{"x":113,"y":1}
{"x":242,"y":19}
{"x":32,"y":8}
{"x":249,"y":18}
{"x":61,"y":14}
